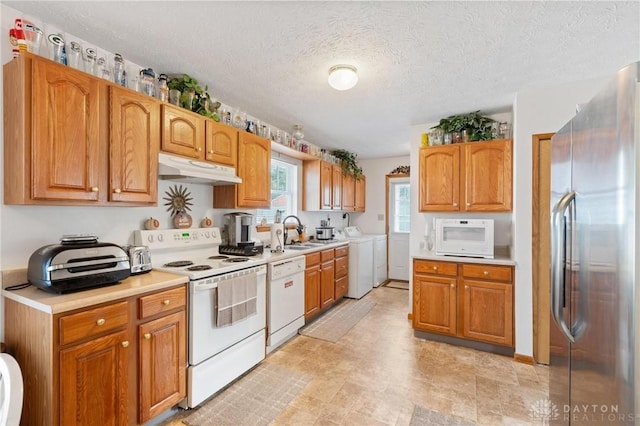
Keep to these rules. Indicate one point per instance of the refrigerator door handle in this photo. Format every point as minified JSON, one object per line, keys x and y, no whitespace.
{"x":558,"y":262}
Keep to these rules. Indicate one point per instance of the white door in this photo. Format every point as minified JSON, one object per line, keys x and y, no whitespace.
{"x":399,"y":227}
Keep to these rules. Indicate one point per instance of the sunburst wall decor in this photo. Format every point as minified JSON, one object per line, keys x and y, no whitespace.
{"x":178,"y":202}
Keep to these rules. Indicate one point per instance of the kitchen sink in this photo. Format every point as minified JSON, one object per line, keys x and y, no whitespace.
{"x":301,"y":247}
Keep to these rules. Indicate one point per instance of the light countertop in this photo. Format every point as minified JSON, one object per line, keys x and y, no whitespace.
{"x":56,"y":303}
{"x":134,"y":285}
{"x":501,"y":257}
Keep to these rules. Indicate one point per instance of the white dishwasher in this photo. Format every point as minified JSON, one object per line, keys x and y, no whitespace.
{"x":285,"y":300}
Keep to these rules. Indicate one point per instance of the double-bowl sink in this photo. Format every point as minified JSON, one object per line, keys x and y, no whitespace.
{"x":305,"y":246}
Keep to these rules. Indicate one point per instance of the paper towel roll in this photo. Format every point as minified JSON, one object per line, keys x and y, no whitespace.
{"x":277,"y":237}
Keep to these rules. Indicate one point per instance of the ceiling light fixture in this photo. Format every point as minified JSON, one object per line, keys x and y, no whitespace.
{"x":343,"y":77}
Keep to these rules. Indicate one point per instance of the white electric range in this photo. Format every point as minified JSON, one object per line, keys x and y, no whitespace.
{"x":217,"y":354}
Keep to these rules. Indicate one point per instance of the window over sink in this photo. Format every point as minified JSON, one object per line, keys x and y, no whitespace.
{"x":284,"y":191}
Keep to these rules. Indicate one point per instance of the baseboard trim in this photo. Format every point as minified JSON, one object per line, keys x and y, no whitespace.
{"x":525,"y":359}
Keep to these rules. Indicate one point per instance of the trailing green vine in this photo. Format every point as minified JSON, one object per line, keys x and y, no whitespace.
{"x":348,"y":162}
{"x":477,"y":125}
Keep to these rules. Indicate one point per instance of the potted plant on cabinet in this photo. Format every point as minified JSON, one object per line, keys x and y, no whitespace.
{"x":477,"y":126}
{"x":348,"y":163}
{"x":202,"y":102}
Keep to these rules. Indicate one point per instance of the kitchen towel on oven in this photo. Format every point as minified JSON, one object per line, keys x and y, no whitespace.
{"x":237,"y":299}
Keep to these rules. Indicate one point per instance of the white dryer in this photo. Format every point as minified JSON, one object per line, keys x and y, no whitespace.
{"x":360,"y":265}
{"x":379,"y":265}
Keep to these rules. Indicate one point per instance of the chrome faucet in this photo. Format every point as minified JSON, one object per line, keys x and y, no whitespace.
{"x":299,"y":228}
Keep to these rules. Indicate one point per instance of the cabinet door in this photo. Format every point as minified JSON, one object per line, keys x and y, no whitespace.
{"x":162,"y":344}
{"x":342,"y":287}
{"x":439,"y":175}
{"x":361,"y":189}
{"x":336,"y":187}
{"x":182,"y":132}
{"x":488,"y":312}
{"x":348,"y":193}
{"x":487,"y":176}
{"x":134,"y":143}
{"x":311,"y":291}
{"x":65,"y":161}
{"x":327,"y":284}
{"x":326,"y":188}
{"x":94,"y":382}
{"x":254,"y":168}
{"x":221,"y":144}
{"x":434,"y":304}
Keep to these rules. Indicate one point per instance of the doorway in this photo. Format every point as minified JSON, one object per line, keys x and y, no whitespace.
{"x":398,"y":225}
{"x":540,"y":229}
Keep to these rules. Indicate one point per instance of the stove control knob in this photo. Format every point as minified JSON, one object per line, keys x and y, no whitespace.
{"x":160,"y":237}
{"x":150,"y":238}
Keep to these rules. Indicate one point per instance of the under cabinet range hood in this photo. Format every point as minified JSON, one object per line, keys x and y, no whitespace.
{"x":171,"y":167}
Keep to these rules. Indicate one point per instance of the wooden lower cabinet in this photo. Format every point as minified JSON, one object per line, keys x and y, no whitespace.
{"x":117,"y":363}
{"x":326,"y":279}
{"x":471,"y":301}
{"x":341,"y":263}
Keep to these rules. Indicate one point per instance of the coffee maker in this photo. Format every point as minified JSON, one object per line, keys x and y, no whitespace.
{"x":237,"y":235}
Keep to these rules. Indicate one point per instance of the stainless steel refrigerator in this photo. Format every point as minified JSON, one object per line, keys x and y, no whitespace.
{"x":595,"y":304}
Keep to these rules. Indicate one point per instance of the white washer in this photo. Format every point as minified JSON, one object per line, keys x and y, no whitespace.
{"x":360,"y":267}
{"x":379,"y":265}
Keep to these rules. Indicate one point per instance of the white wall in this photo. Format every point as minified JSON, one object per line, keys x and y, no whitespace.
{"x":543,"y":110}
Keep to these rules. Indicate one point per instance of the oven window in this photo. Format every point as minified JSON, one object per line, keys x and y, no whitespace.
{"x":455,"y":234}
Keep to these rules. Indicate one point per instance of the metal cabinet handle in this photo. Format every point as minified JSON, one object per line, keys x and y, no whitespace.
{"x":147,"y":336}
{"x":117,"y":190}
{"x":199,"y":149}
{"x":94,"y":189}
{"x":455,"y":204}
{"x":466,"y":287}
{"x":468,"y":204}
{"x":452,"y":285}
{"x":166,"y":302}
{"x":101,"y":321}
{"x":435,"y":268}
{"x":485,"y":273}
{"x":210,"y":151}
{"x":125,"y":344}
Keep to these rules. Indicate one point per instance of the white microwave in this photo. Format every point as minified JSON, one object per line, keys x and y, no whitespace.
{"x":464,"y":237}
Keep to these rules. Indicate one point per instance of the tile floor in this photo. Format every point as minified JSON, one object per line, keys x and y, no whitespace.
{"x":379,"y":371}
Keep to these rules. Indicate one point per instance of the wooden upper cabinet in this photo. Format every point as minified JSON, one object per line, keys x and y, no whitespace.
{"x":348,"y":193}
{"x":182,"y":132}
{"x":469,"y":177}
{"x":221,"y":144}
{"x":254,"y":168}
{"x":439,"y":178}
{"x":134,"y":144}
{"x":325,"y":188}
{"x":71,"y":138}
{"x":65,"y":161}
{"x":488,"y":176}
{"x":336,"y":187}
{"x":361,"y":190}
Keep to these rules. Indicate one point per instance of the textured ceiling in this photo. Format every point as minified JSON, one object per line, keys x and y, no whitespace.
{"x":417,"y":61}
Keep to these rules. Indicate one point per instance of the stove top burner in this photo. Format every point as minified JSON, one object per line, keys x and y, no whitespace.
{"x":218,"y":257}
{"x":178,"y":264}
{"x":236,"y":259}
{"x":199,"y":268}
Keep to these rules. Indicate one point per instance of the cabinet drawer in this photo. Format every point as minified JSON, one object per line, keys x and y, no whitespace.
{"x":342,"y":267}
{"x":164,"y":301}
{"x":487,"y":272}
{"x":312,"y":259}
{"x":93,"y":322}
{"x":435,"y":267}
{"x":326,"y":255}
{"x":342,"y":251}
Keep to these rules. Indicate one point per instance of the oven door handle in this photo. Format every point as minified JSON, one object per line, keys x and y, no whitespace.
{"x":260,"y":272}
